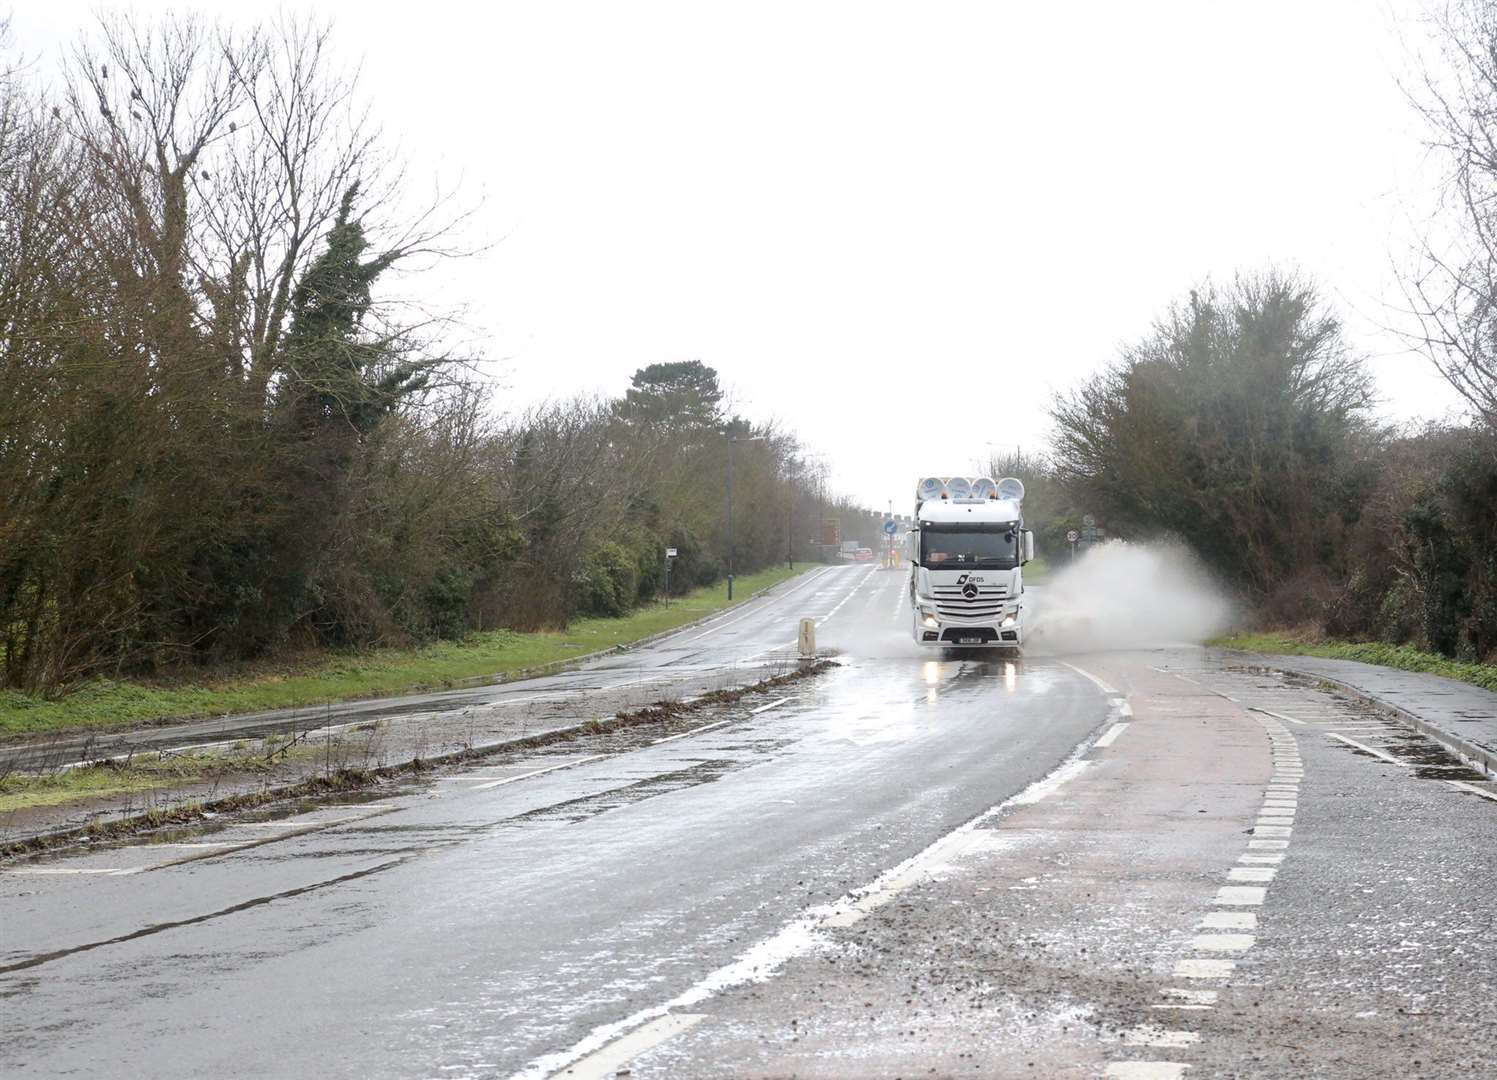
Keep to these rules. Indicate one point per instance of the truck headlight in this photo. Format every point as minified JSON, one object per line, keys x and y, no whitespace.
{"x":929,"y":619}
{"x":1008,"y":620}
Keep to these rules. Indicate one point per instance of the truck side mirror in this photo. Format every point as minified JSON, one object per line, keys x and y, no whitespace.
{"x":1028,"y":545}
{"x":912,"y":547}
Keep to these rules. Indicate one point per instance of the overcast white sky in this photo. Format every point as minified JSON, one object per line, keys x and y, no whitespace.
{"x":897,"y":229}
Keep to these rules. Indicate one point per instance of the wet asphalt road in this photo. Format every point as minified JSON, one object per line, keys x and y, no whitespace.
{"x":474,"y":927}
{"x":1146,"y":866}
{"x":749,"y":637}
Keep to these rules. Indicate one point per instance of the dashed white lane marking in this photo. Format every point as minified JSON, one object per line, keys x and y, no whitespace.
{"x":1200,"y":968}
{"x":1111,"y":734}
{"x":607,"y":1061}
{"x":1267,"y":845}
{"x":1282,"y":832}
{"x":1262,"y":857}
{"x":1367,"y":749}
{"x":771,"y":705}
{"x":1230,"y":920}
{"x":1473,"y":790}
{"x":1154,"y":1035}
{"x":1222,"y":942}
{"x":539,"y":772}
{"x":1146,"y":1070}
{"x":1240,"y":895}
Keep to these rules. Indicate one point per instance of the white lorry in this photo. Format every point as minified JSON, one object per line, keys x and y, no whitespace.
{"x":967,"y":551}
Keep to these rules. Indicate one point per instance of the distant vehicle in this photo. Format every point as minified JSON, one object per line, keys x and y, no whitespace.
{"x":967,"y":552}
{"x":863,"y":555}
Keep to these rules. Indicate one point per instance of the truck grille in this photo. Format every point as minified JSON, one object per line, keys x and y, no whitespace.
{"x":987,"y":604}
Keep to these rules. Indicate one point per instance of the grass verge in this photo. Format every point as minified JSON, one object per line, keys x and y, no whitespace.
{"x":1368,"y":652}
{"x":343,"y":779}
{"x":102,"y":704}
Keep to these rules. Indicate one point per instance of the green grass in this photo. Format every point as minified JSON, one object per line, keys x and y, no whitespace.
{"x":20,"y":791}
{"x":1368,"y":652}
{"x":1037,"y":572}
{"x":103,"y":704}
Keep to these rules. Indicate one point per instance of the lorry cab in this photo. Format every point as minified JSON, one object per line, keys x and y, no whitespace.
{"x":967,"y":552}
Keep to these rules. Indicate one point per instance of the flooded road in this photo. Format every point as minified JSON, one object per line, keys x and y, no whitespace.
{"x":495,"y":916}
{"x":915,"y":864}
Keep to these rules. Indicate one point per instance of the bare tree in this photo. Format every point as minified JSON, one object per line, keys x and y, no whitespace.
{"x":1453,"y":294}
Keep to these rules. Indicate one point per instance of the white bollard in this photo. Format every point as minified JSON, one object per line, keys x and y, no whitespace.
{"x":808,"y":637}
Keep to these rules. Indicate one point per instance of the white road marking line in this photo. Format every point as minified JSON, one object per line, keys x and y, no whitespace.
{"x":1268,"y":845}
{"x":693,"y":731}
{"x":1198,"y":968}
{"x":1371,"y":750}
{"x":58,"y":870}
{"x":1110,"y":735}
{"x":1089,"y":677}
{"x":1261,"y":857}
{"x":1472,"y":790}
{"x":1276,"y":716}
{"x":1278,"y":831}
{"x":803,"y":933}
{"x":1240,"y":895}
{"x":1222,"y":942}
{"x":771,"y":705}
{"x":607,"y":1062}
{"x":1251,"y":873}
{"x":1208,"y":689}
{"x":758,"y":608}
{"x":537,"y":772}
{"x":1195,"y":997}
{"x":1230,"y":920}
{"x":1182,"y":1006}
{"x":891,"y":883}
{"x":1125,"y":709}
{"x":266,"y":824}
{"x":1146,"y":1070}
{"x":1154,"y":1035}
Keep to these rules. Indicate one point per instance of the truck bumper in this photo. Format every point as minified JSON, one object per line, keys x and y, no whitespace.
{"x":963,"y":636}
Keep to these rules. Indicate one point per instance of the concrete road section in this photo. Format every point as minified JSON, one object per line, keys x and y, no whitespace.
{"x":923,"y":864}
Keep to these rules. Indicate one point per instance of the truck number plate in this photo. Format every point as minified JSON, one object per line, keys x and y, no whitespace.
{"x":969,"y":641}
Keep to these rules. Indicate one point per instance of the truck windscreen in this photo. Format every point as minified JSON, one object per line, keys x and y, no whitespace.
{"x":968,"y":550}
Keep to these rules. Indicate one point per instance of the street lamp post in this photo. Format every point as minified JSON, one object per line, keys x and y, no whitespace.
{"x":731,"y":443}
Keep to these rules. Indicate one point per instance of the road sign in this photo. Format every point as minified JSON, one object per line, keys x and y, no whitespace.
{"x":891,"y":527}
{"x":1089,"y":521}
{"x":670,"y":553}
{"x":1072,"y":536}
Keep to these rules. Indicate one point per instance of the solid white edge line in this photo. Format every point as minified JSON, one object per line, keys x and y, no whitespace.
{"x":607,"y":1062}
{"x":805,"y":932}
{"x":1473,"y":790}
{"x":771,"y":705}
{"x":1087,"y":675}
{"x":1371,"y":750}
{"x":1277,"y":716}
{"x":536,"y":772}
{"x":1110,"y":735}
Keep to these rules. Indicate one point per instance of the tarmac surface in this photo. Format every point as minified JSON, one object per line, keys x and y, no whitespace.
{"x":1146,"y":864}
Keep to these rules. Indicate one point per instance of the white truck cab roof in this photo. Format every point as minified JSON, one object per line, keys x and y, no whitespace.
{"x":968,"y":511}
